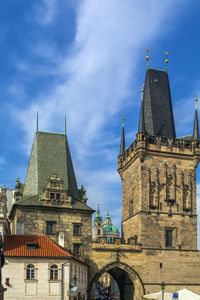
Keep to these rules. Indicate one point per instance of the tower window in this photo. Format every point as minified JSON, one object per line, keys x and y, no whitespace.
{"x":169,"y":237}
{"x":77,"y":229}
{"x":98,"y":231}
{"x":76,"y":249}
{"x":131,"y":207}
{"x":50,"y":227}
{"x":57,"y":196}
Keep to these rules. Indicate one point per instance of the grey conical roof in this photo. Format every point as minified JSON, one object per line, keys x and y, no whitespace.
{"x":50,"y":153}
{"x":196,"y":126}
{"x":158,"y":113}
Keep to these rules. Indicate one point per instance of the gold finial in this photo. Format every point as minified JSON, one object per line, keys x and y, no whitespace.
{"x":196,"y":99}
{"x":147,"y":58}
{"x":142,"y":89}
{"x":166,"y":59}
{"x":122,"y":119}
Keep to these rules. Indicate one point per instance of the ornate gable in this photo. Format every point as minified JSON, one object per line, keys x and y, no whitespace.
{"x":54,"y":193}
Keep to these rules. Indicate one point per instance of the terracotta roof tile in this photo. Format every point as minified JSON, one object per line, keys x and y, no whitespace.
{"x":16,"y":246}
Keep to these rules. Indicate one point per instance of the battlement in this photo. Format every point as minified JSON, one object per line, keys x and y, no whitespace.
{"x":145,"y":143}
{"x":132,"y":244}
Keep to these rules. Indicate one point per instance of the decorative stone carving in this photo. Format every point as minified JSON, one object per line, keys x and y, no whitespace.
{"x":54,"y":194}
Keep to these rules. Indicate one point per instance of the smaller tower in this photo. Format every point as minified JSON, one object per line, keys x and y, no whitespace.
{"x":122,"y":145}
{"x":196,"y":123}
{"x":141,"y":127}
{"x":98,"y":225}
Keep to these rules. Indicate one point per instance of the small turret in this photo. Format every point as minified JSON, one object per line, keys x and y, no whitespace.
{"x":122,"y":145}
{"x":196,"y":123}
{"x":141,"y":127}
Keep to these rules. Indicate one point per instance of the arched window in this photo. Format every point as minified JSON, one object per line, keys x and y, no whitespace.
{"x":54,"y":272}
{"x":30,"y":272}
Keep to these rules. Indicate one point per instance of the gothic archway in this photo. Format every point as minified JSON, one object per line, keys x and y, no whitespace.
{"x":129,"y":282}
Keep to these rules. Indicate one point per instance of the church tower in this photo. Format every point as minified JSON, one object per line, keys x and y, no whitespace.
{"x":158,"y":172}
{"x":98,"y":225}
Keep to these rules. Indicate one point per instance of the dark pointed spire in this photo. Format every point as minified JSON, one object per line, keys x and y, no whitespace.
{"x":196,"y":123}
{"x":157,"y":105}
{"x":122,"y":145}
{"x":141,"y":127}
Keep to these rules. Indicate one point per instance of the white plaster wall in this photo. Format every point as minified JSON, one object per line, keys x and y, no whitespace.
{"x":42,"y":287}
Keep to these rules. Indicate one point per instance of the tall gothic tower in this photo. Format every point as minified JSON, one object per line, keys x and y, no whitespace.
{"x":158,"y":172}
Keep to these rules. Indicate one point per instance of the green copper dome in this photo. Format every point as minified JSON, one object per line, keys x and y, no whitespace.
{"x":110,"y":228}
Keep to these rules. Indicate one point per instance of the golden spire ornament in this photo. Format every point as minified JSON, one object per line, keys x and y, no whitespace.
{"x":142,"y":90}
{"x":166,"y":59}
{"x":196,"y":99}
{"x":122,"y":119}
{"x":147,"y":58}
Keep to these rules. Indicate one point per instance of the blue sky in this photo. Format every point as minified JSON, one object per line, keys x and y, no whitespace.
{"x":86,"y":59}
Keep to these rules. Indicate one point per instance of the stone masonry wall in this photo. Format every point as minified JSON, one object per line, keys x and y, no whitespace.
{"x":35,"y":224}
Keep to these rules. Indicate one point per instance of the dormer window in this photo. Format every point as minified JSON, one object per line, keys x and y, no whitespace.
{"x":32,"y":246}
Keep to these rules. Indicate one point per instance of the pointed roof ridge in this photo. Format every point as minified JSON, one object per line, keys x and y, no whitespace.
{"x":51,"y":132}
{"x":122,"y":144}
{"x":196,"y":123}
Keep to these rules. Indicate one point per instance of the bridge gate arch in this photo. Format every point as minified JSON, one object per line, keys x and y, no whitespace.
{"x":129,"y":282}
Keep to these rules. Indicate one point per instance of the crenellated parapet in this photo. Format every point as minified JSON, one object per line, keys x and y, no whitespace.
{"x":145,"y":144}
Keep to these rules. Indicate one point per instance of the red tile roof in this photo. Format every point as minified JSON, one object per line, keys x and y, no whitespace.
{"x":0,"y":196}
{"x":16,"y":246}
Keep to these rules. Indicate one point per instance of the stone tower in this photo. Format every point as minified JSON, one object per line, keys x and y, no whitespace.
{"x":158,"y":172}
{"x":50,"y":203}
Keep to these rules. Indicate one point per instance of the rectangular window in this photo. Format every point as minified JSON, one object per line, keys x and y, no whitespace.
{"x":76,"y":249}
{"x":76,"y":229}
{"x":169,"y":237}
{"x":51,"y":196}
{"x":50,"y":227}
{"x":57,"y":196}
